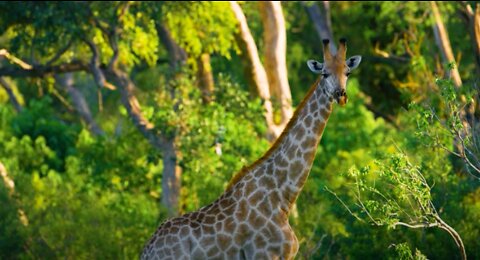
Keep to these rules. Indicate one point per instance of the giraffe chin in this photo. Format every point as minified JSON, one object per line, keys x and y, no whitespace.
{"x":342,"y":100}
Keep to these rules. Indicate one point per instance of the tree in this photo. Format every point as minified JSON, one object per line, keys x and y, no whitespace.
{"x":443,"y":43}
{"x":79,"y":102}
{"x":270,"y":81}
{"x":472,"y":20}
{"x":407,"y":204}
{"x":275,"y":40}
{"x":103,"y":75}
{"x":322,"y":21}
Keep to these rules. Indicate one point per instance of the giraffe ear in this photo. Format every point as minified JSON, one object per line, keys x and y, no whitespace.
{"x":315,"y":66}
{"x":354,"y":61}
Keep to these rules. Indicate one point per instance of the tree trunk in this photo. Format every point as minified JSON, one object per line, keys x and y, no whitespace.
{"x":472,"y":19}
{"x":11,"y":96}
{"x":466,"y":114}
{"x":443,"y":43}
{"x":172,"y":172}
{"x":275,"y":61}
{"x":130,"y":102}
{"x":322,"y":22}
{"x":171,"y":178}
{"x":177,"y":56}
{"x":205,"y":77}
{"x":254,"y":68}
{"x":80,"y":104}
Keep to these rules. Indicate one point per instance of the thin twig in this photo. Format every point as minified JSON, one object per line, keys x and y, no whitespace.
{"x":343,"y":203}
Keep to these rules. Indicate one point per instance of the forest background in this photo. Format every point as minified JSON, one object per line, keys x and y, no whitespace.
{"x":117,"y":115}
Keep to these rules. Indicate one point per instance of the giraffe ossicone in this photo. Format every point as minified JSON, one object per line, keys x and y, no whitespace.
{"x":250,"y":219}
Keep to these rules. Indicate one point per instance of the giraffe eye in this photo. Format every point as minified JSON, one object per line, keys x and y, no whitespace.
{"x":348,"y":74}
{"x":325,"y":75}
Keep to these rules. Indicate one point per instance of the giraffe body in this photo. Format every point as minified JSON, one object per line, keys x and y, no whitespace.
{"x":250,"y":219}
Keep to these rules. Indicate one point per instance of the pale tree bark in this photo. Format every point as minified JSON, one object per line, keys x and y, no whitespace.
{"x":11,"y":96}
{"x":322,"y":21}
{"x":275,"y":37}
{"x":255,"y":71}
{"x":443,"y":43}
{"x":80,"y":104}
{"x":468,"y":113}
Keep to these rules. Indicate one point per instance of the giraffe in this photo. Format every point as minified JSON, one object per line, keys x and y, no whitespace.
{"x":250,"y":219}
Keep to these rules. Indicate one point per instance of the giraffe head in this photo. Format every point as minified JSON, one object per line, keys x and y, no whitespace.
{"x":335,"y":70}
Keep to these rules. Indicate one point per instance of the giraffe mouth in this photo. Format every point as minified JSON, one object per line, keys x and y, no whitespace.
{"x":341,"y":97}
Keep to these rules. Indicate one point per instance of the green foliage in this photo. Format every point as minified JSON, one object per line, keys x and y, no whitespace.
{"x":215,"y":139}
{"x":222,"y":137}
{"x":75,"y":212}
{"x":403,"y":196}
{"x":404,"y":252}
{"x":201,"y":27}
{"x":13,"y":233}
{"x":38,"y":120}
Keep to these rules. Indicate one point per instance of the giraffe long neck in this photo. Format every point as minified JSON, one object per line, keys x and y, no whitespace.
{"x":281,"y":173}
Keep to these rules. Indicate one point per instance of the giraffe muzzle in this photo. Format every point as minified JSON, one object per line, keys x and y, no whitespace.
{"x":341,"y":97}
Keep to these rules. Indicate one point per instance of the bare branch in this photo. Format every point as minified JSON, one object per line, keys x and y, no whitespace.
{"x":343,"y":203}
{"x":42,"y":70}
{"x":21,"y":63}
{"x":417,"y":225}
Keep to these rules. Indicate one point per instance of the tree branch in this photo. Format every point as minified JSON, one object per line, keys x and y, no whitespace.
{"x":321,"y":22}
{"x":21,"y":63}
{"x":417,"y":225}
{"x":13,"y":99}
{"x":59,"y":53}
{"x":113,"y":37}
{"x":129,"y":100}
{"x":43,"y":70}
{"x":455,"y":236}
{"x":94,"y":66}
{"x":79,"y":102}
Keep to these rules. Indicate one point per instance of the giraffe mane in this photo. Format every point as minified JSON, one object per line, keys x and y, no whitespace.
{"x":239,"y":175}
